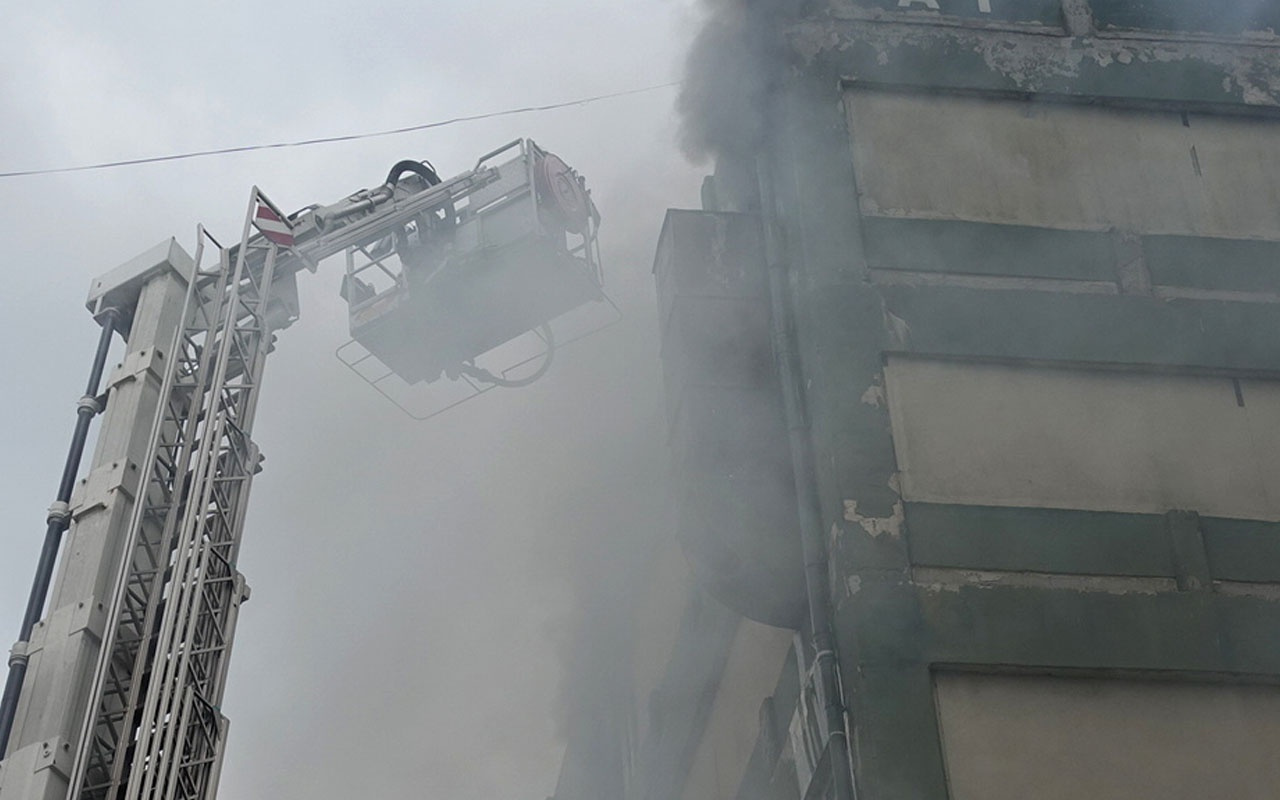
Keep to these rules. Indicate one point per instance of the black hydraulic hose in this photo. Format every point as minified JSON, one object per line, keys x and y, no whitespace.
{"x":472,"y":371}
{"x":58,"y":521}
{"x":812,"y":542}
{"x":422,"y":169}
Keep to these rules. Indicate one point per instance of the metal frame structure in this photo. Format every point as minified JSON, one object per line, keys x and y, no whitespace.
{"x":158,"y":685}
{"x":121,"y":686}
{"x":472,"y":200}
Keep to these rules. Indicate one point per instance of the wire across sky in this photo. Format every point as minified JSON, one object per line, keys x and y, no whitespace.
{"x":329,"y":139}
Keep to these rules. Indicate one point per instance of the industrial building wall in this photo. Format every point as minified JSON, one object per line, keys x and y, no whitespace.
{"x":1052,"y":200}
{"x":1022,"y":435}
{"x":1033,"y":251}
{"x":1074,"y":430}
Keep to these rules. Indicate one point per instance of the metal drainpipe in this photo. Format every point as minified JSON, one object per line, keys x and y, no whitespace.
{"x":812,"y":542}
{"x":58,"y":521}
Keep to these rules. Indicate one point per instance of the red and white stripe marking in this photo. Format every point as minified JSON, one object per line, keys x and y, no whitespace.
{"x":272,"y":226}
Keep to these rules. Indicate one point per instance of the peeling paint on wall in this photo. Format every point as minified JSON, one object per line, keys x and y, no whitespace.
{"x":876,"y":526}
{"x":874,"y":395}
{"x":853,"y":584}
{"x":899,"y":330}
{"x":1031,"y":60}
{"x":936,"y":580}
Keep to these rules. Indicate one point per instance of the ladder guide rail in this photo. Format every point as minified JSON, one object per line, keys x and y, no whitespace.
{"x":156,"y":730}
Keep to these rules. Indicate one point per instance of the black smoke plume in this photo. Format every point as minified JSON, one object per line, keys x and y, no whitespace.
{"x":731,"y":73}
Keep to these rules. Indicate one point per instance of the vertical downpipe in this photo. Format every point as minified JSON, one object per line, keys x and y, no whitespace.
{"x":58,"y":520}
{"x":812,"y":543}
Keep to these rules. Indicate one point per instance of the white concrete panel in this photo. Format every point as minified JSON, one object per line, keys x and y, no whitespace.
{"x":1064,"y":166}
{"x":1014,"y":738}
{"x":755,"y":661}
{"x":1004,"y":435}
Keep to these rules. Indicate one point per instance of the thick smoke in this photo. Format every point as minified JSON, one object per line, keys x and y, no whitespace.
{"x":730,"y":74}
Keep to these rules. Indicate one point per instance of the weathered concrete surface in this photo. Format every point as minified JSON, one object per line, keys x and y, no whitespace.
{"x":1039,"y":437}
{"x":1065,"y":167}
{"x":1008,"y":738}
{"x":878,"y":47}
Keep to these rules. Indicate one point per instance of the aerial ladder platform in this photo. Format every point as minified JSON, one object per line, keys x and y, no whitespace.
{"x":117,"y":693}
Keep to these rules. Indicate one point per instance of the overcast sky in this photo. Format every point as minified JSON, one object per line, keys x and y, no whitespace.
{"x":414,"y":584}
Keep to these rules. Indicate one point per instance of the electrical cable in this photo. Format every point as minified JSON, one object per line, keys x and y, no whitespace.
{"x":330,"y":139}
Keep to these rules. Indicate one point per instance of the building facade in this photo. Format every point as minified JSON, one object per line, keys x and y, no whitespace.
{"x":988,"y":310}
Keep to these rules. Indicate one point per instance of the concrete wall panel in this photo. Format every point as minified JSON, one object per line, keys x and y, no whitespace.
{"x":1064,"y":166}
{"x":1002,"y":435}
{"x":755,"y":661}
{"x":1011,"y":738}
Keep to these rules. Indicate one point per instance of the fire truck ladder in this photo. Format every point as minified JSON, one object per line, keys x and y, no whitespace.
{"x":155,"y":728}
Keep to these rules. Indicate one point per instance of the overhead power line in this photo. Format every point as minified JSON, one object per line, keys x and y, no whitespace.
{"x":343,"y":138}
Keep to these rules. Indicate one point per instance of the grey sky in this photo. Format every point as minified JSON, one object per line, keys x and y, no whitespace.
{"x":413,"y":582}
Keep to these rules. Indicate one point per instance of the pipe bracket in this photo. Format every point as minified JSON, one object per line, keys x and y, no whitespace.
{"x":59,"y":511}
{"x":90,"y":404}
{"x":18,"y":655}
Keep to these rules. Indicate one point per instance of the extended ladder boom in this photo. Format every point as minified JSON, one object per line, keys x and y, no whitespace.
{"x":122,"y":685}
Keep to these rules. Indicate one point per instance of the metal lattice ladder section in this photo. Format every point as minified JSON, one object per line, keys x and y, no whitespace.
{"x":155,"y":728}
